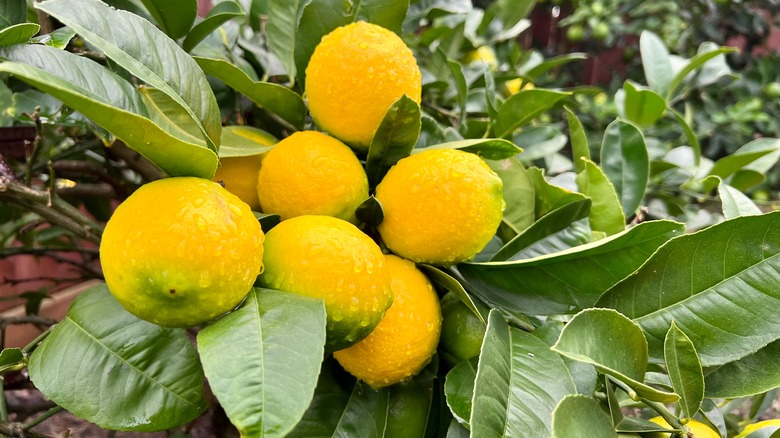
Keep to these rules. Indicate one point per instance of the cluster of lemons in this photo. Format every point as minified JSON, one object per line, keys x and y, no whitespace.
{"x":181,"y":252}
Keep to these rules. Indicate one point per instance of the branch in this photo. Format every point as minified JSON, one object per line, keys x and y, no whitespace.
{"x":27,"y":319}
{"x":136,"y":161}
{"x":60,"y":212}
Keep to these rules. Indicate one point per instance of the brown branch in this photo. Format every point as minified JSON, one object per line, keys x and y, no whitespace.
{"x":136,"y":161}
{"x":55,"y":280}
{"x":81,"y":190}
{"x":27,"y":319}
{"x":16,"y":430}
{"x":60,"y":212}
{"x":75,"y":168}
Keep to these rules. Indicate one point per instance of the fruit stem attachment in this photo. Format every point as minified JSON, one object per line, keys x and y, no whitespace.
{"x":666,"y":414}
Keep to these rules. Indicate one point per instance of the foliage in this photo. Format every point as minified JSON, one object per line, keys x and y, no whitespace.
{"x":630,"y":269}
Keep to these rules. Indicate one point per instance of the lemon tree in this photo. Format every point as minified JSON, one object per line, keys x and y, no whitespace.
{"x":380,"y":219}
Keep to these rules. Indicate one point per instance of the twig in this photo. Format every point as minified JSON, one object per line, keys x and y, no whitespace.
{"x":27,"y":319}
{"x":55,"y":280}
{"x":3,"y":406}
{"x":136,"y":161}
{"x":72,"y":168}
{"x":60,"y":212}
{"x":16,"y":430}
{"x":38,"y":339}
{"x":36,"y":146}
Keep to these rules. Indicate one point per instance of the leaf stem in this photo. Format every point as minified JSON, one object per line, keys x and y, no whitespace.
{"x":41,"y":418}
{"x":31,"y":346}
{"x":666,"y":414}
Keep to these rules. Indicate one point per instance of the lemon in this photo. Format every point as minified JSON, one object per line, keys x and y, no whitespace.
{"x":768,"y":427}
{"x":239,"y":174}
{"x":484,"y":54}
{"x":311,"y":173}
{"x":181,"y":251}
{"x":329,"y":258}
{"x":404,"y":341}
{"x":462,"y":331}
{"x":698,"y":429}
{"x":441,"y":206}
{"x":355,"y":74}
{"x":513,"y":86}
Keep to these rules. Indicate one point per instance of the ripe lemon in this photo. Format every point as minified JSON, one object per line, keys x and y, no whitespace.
{"x":404,"y":341}
{"x":328,"y":258}
{"x":355,"y":74}
{"x":698,"y":429}
{"x":310,"y":173}
{"x":513,"y":86}
{"x":768,"y":427}
{"x":239,"y":174}
{"x":484,"y":54}
{"x":441,"y":206}
{"x":462,"y":331}
{"x":181,"y":251}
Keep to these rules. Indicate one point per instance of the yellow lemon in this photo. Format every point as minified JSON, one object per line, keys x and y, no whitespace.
{"x":239,"y":174}
{"x":355,"y":74}
{"x":181,"y":251}
{"x":310,"y":173}
{"x":768,"y":426}
{"x":404,"y":341}
{"x":328,"y":258}
{"x":484,"y":54}
{"x":441,"y":206}
{"x":698,"y":429}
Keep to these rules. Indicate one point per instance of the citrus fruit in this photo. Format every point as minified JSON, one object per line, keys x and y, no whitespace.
{"x":484,"y":54}
{"x":767,"y":428}
{"x":239,"y":174}
{"x":355,"y":74}
{"x":698,"y":429}
{"x":404,"y":341}
{"x":441,"y":206}
{"x":329,"y":258}
{"x":311,"y":173}
{"x":181,"y":251}
{"x":772,"y":89}
{"x":601,"y":31}
{"x":575,"y":33}
{"x":461,"y":330}
{"x":514,"y":85}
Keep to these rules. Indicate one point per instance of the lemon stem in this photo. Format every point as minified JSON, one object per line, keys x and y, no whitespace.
{"x":666,"y":414}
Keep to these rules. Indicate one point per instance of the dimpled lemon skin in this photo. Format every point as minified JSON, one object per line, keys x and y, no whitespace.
{"x":311,"y":173}
{"x":440,"y":206}
{"x":181,"y":251}
{"x":355,"y":74}
{"x":239,"y":175}
{"x":331,"y":259}
{"x":406,"y":338}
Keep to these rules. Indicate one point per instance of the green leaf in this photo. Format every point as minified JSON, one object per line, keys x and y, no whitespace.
{"x":220,"y":14}
{"x":175,"y":17}
{"x":343,"y":408}
{"x":583,"y":374}
{"x":735,"y":203}
{"x":705,"y":54}
{"x":267,"y":221}
{"x":12,"y":12}
{"x":370,"y":212}
{"x":641,"y":106}
{"x":280,"y":339}
{"x":393,"y":140}
{"x":684,"y":369}
{"x":753,"y":374}
{"x":625,"y":161}
{"x":518,"y":194}
{"x":110,"y":102}
{"x":693,"y":142}
{"x":579,"y":141}
{"x":570,"y":280}
{"x":718,"y":285}
{"x":518,"y":384}
{"x":286,"y":105}
{"x":456,"y":430}
{"x":58,"y":39}
{"x":523,"y":107}
{"x":655,"y":62}
{"x":549,"y":197}
{"x":548,"y":224}
{"x":282,"y":31}
{"x":550,"y":63}
{"x":110,"y":368}
{"x":11,"y":359}
{"x":488,"y":148}
{"x":244,"y":141}
{"x":18,"y":34}
{"x":578,"y":416}
{"x":741,"y":158}
{"x":449,"y":283}
{"x":461,"y":87}
{"x":143,"y":50}
{"x":612,"y":343}
{"x":605,"y":212}
{"x":170,"y":116}
{"x":459,"y":389}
